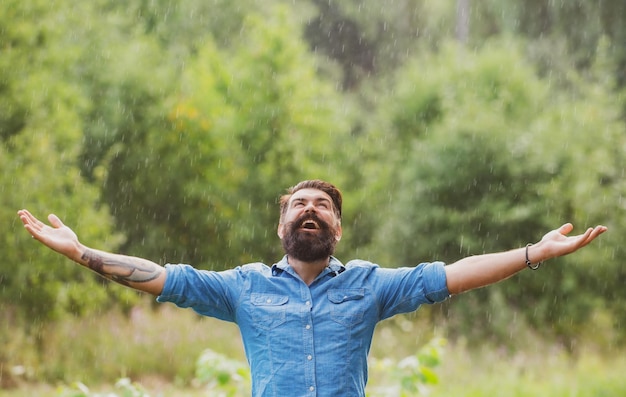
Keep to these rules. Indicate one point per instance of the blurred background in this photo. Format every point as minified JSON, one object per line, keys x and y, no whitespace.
{"x":168,"y":130}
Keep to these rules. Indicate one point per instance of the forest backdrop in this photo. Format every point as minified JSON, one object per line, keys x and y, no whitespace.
{"x":168,"y":129}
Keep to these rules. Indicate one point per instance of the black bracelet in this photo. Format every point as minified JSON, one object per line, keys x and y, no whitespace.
{"x":529,"y":263}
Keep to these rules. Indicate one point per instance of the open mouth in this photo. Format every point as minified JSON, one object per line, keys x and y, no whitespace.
{"x":310,"y":224}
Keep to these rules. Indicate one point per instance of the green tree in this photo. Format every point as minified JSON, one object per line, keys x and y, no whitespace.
{"x":133,"y":55}
{"x":38,"y":152}
{"x":560,"y":35}
{"x":248,"y":122}
{"x":369,"y":39}
{"x":493,"y":159}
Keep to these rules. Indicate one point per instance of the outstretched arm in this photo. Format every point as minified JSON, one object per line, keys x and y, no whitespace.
{"x":481,"y":270}
{"x":137,"y":273}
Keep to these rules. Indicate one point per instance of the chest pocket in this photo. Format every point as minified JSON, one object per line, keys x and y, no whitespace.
{"x":347,"y":305}
{"x":268,"y":310}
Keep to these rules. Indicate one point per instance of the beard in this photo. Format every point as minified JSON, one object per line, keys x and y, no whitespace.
{"x":309,"y":246}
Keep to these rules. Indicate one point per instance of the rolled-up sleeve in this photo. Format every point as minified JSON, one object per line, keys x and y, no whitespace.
{"x":405,"y":289}
{"x":435,"y":285}
{"x":209,"y":293}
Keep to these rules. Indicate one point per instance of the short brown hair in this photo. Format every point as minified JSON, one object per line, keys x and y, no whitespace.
{"x":328,"y":188}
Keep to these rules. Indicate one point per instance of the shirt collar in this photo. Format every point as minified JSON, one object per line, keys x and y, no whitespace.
{"x":334,"y":267}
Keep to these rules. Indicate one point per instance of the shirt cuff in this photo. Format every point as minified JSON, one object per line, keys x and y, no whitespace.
{"x":435,"y":283}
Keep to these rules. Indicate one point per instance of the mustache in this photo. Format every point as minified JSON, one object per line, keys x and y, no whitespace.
{"x":299,"y":222}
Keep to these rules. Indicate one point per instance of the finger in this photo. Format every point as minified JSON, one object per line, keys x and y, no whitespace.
{"x":23,"y":216}
{"x":32,"y":224}
{"x":584,"y":238}
{"x":595,"y":232}
{"x":31,"y":227}
{"x":27,"y":217}
{"x":55,"y":221}
{"x":566,"y":228}
{"x":591,"y":235}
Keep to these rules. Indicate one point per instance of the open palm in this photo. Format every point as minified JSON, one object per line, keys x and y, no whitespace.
{"x":562,"y":244}
{"x":57,"y":236}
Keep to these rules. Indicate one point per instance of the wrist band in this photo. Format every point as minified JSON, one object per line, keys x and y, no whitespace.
{"x":529,"y":263}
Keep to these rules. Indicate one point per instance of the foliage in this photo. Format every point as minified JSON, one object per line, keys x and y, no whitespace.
{"x":38,"y":155}
{"x":540,"y":369}
{"x":222,"y":375}
{"x":126,"y":347}
{"x":366,"y":38}
{"x":491,"y":157}
{"x":167,"y":129}
{"x":413,"y":375}
{"x":243,"y":119}
{"x":409,"y":376}
{"x":126,"y":386}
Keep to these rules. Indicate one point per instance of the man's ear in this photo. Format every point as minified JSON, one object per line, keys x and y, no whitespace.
{"x":280,"y":230}
{"x":339,"y":233}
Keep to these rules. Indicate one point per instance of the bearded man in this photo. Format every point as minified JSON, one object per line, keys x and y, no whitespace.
{"x":307,"y":321}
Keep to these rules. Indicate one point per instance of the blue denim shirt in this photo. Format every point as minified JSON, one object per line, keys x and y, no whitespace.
{"x":306,"y":340}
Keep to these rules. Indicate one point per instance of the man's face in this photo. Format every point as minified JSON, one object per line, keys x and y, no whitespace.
{"x":309,"y":228}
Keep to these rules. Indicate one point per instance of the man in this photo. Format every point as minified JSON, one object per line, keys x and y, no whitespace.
{"x":307,"y":321}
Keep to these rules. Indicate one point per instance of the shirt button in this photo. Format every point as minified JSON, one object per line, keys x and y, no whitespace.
{"x":308,"y":326}
{"x":309,"y":357}
{"x":311,"y":388}
{"x":269,"y":301}
{"x":308,"y":303}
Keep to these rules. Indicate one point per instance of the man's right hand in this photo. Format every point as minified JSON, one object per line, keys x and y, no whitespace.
{"x":138,"y":273}
{"x":57,"y":236}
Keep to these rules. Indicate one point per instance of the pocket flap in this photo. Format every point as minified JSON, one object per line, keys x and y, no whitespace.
{"x":343,"y":295}
{"x":260,"y":299}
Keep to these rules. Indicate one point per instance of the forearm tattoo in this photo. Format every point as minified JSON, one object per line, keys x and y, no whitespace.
{"x":121,"y":269}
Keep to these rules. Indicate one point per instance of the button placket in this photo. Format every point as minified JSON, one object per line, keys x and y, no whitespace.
{"x":309,"y":348}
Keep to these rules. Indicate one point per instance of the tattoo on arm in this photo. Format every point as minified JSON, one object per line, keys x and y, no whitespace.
{"x":121,"y":269}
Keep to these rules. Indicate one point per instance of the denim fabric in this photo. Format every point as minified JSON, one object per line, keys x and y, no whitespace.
{"x":306,"y":340}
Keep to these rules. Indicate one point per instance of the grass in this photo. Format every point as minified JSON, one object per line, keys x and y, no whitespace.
{"x":158,"y":348}
{"x":550,"y":372}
